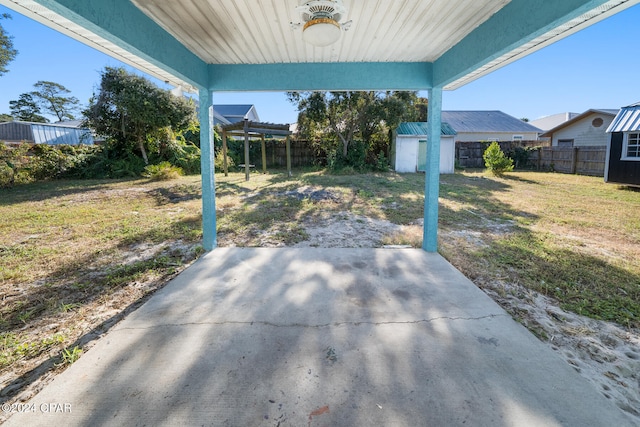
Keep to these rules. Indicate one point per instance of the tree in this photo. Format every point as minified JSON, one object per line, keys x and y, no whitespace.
{"x":5,"y":117}
{"x":133,"y":113}
{"x":7,"y":52}
{"x":51,"y":98}
{"x":26,"y":109}
{"x":346,"y":116}
{"x":496,"y":161}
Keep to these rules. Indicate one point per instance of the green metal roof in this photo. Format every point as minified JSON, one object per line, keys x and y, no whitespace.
{"x":420,"y":128}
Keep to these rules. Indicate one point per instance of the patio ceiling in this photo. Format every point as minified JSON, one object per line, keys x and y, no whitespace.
{"x":247,"y":45}
{"x":250,"y":32}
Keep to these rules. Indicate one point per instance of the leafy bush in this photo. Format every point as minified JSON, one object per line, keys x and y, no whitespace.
{"x":182,"y":154}
{"x":520,"y":156}
{"x":12,"y":161}
{"x":355,"y":160}
{"x":28,"y":162}
{"x":6,"y":176}
{"x":219,"y":162}
{"x":496,"y":161}
{"x":382,"y":164}
{"x":49,"y":162}
{"x":163,"y":171}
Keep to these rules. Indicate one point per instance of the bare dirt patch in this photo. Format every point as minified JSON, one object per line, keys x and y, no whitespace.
{"x":346,"y":229}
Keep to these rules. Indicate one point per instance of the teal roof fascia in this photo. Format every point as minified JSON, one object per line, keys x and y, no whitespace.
{"x":123,"y":24}
{"x":518,"y":22}
{"x":340,"y":76}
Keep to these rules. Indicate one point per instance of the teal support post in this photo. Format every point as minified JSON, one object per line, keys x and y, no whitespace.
{"x":432,"y":174}
{"x":206,"y":165}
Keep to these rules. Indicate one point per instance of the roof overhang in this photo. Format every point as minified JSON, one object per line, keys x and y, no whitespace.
{"x":237,"y":45}
{"x":576,"y":119}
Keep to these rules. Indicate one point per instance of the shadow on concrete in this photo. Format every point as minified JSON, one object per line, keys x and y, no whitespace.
{"x":308,"y":337}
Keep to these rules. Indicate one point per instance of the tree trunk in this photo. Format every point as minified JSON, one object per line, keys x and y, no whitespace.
{"x":143,"y":151}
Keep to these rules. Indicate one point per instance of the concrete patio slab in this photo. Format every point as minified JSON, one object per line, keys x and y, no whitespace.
{"x":320,"y":337}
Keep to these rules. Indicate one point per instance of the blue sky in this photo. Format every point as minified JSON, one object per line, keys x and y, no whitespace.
{"x":598,"y":67}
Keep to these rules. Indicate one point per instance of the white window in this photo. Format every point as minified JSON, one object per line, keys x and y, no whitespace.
{"x":631,"y":146}
{"x":518,"y":137}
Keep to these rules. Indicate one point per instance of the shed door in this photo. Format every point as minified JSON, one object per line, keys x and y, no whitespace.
{"x":422,"y":155}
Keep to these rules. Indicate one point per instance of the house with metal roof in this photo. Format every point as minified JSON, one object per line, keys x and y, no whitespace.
{"x":409,"y":148}
{"x":623,"y":147}
{"x":45,"y":133}
{"x":233,"y":113}
{"x":584,"y":130}
{"x":489,"y":126}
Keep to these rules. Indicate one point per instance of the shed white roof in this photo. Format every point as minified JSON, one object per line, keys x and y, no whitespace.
{"x":627,"y":120}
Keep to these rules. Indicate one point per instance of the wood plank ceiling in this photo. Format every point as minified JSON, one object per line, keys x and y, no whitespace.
{"x":260,"y":32}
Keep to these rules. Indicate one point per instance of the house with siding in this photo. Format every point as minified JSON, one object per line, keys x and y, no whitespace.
{"x":227,"y":114}
{"x":584,"y":130}
{"x":68,"y":133}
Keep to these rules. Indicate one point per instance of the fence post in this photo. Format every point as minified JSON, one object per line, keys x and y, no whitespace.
{"x":263,"y":146}
{"x":574,"y":160}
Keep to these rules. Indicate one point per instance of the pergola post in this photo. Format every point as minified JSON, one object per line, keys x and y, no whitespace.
{"x":432,"y":173}
{"x":264,"y":154}
{"x":209,"y":240}
{"x":246,"y":150}
{"x":288,"y":145}
{"x":256,"y":128}
{"x":225,"y":163}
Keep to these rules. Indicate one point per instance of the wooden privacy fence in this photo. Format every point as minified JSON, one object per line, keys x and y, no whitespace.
{"x":575,"y":160}
{"x":469,"y":153}
{"x":302,"y":154}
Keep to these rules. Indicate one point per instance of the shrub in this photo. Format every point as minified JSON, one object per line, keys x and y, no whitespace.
{"x":177,"y":151}
{"x":382,"y":164}
{"x":495,"y":160}
{"x":219,"y":162}
{"x":13,"y":161}
{"x":6,"y":176}
{"x":521,"y":156}
{"x":49,"y":162}
{"x":163,"y":171}
{"x":354,"y":161}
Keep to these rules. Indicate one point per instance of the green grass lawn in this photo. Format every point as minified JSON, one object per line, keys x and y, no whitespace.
{"x":73,"y":254}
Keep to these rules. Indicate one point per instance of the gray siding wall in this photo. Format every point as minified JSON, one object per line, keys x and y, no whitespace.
{"x":583,"y":133}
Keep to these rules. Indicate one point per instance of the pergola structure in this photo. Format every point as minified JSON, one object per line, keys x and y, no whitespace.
{"x":243,"y":45}
{"x":246,"y":129}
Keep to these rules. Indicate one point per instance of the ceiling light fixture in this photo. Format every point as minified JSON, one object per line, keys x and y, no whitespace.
{"x":321,"y":19}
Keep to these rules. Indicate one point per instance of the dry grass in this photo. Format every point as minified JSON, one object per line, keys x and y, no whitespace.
{"x":76,"y":255}
{"x":570,"y":237}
